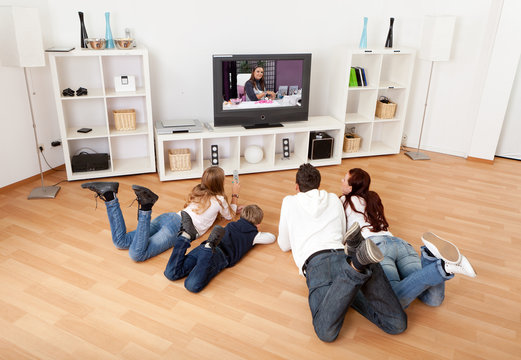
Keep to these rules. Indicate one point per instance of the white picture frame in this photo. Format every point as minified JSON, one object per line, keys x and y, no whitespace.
{"x":283,"y":90}
{"x":124,"y":83}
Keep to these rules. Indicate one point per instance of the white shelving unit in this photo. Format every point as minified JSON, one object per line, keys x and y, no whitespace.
{"x":388,"y":73}
{"x":131,"y":152}
{"x":233,"y":140}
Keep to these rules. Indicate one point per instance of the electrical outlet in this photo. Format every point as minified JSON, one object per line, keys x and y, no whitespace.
{"x":41,"y":147}
{"x":404,"y":139}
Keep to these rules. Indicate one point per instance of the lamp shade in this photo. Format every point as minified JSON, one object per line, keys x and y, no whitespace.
{"x":438,"y":32}
{"x":20,"y":37}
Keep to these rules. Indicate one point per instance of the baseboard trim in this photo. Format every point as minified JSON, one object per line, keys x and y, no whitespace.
{"x":29,"y":179}
{"x":486,"y":161}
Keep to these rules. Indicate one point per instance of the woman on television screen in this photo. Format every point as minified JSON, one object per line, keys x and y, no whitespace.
{"x":255,"y":87}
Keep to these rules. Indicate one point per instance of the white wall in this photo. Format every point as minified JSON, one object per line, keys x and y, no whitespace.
{"x":499,"y":76}
{"x":182,"y":38}
{"x":509,"y":144}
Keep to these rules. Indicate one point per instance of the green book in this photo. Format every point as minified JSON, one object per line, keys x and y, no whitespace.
{"x":352,"y":77}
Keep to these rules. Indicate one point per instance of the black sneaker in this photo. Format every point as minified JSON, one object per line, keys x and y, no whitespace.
{"x":368,"y":253}
{"x":352,"y":239}
{"x":187,"y":227}
{"x":145,"y":197}
{"x":215,"y":237}
{"x":103,"y":189}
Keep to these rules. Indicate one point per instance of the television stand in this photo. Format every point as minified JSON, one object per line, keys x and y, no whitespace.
{"x":262,"y":126}
{"x":232,"y":142}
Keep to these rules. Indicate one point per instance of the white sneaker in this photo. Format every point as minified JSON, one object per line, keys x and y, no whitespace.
{"x":463,"y":267}
{"x":441,"y":248}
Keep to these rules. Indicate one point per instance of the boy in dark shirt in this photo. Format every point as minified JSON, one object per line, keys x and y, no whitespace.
{"x":224,"y":248}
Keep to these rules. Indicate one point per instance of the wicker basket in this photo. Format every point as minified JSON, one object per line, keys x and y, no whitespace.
{"x":385,"y":110}
{"x":125,"y":119}
{"x":179,"y":159}
{"x":351,"y":142}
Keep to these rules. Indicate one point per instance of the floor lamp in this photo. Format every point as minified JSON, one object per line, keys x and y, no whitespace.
{"x":22,"y":46}
{"x":436,"y":45}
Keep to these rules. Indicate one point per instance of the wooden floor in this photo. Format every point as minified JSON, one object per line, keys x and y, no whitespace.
{"x":68,"y":293}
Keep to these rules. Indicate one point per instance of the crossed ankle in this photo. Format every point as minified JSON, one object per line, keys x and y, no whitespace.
{"x":355,"y":264}
{"x":186,"y":235}
{"x":108,"y":196}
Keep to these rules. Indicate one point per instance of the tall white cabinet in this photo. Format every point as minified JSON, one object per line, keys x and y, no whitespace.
{"x":388,"y":73}
{"x":130,"y":151}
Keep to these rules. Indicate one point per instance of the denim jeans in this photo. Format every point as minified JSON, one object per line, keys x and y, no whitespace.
{"x":201,"y":264}
{"x":150,"y":237}
{"x":410,"y":276}
{"x":334,"y":286}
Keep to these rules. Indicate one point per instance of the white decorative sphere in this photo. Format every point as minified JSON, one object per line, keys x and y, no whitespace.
{"x":253,"y":154}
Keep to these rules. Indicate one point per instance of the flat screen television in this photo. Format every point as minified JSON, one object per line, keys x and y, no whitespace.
{"x":284,"y":98}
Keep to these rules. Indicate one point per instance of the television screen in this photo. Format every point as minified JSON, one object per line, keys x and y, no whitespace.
{"x":261,"y":90}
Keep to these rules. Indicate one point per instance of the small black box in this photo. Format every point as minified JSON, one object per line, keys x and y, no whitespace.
{"x":320,"y":145}
{"x":89,"y":162}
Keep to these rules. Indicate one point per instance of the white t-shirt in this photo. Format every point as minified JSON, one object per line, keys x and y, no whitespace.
{"x":309,"y":222}
{"x":353,"y":216}
{"x":203,"y":221}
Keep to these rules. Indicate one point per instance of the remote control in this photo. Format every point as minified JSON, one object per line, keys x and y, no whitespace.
{"x":235,"y":176}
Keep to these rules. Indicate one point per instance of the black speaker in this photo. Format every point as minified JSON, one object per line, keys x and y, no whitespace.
{"x":90,"y":162}
{"x":285,"y":148}
{"x":320,"y":145}
{"x":215,"y":155}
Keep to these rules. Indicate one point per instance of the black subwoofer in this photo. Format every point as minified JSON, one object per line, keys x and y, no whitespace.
{"x":320,"y":145}
{"x":89,"y":162}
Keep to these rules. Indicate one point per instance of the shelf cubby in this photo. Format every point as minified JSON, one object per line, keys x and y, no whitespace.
{"x":228,"y":149}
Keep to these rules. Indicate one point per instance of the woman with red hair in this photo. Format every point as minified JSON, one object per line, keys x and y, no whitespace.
{"x":410,"y":275}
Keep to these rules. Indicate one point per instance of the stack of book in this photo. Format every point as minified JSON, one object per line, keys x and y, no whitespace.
{"x":357,"y":76}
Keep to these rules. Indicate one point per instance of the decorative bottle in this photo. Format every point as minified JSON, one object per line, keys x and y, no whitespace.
{"x":83,"y":31}
{"x":363,"y":39}
{"x":389,"y":41}
{"x":109,"y":41}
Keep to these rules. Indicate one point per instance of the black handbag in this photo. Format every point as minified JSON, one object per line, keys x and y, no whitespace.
{"x":89,"y":162}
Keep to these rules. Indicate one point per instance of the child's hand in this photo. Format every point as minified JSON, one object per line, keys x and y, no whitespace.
{"x":239,"y":209}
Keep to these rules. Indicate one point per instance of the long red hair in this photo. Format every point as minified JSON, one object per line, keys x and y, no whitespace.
{"x":359,"y":180}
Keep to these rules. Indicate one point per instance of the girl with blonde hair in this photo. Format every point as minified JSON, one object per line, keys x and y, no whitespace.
{"x":152,"y":237}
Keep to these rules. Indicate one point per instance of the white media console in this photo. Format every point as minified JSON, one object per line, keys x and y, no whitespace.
{"x":233,"y":140}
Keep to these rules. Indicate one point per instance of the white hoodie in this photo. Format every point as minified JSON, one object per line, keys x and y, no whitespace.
{"x":310,"y":222}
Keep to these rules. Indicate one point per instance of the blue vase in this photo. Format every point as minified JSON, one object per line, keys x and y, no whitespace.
{"x":109,"y":41}
{"x":363,"y":39}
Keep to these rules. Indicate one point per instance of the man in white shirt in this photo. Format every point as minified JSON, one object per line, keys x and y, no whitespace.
{"x":312,"y":225}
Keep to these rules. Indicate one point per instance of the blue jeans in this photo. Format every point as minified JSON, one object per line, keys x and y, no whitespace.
{"x":150,"y":237}
{"x":201,"y":264}
{"x":410,"y":276}
{"x":334,"y":286}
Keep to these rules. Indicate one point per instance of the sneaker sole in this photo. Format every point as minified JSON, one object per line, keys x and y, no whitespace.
{"x":441,"y":248}
{"x":187,"y":225}
{"x":218,"y":233}
{"x":373,"y":251}
{"x":354,"y":228}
